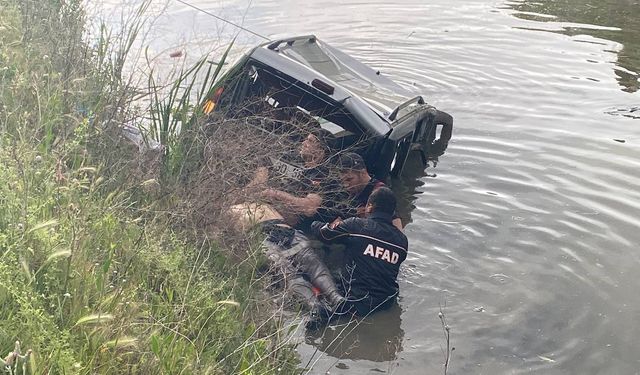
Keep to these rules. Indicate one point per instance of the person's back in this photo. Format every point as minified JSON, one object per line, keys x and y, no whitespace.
{"x":374,"y":251}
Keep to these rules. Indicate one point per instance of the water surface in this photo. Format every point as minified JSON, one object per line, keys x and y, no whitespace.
{"x":527,"y":236}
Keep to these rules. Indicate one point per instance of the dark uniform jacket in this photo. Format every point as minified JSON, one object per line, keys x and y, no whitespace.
{"x":374,"y":251}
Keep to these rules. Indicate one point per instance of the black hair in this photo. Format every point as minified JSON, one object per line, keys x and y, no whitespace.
{"x":383,"y":200}
{"x":350,"y":161}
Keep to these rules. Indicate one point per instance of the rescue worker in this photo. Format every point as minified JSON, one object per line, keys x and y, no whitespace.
{"x":374,"y":249}
{"x":359,"y":184}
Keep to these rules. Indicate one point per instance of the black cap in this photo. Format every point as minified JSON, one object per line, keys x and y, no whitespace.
{"x":351,"y":161}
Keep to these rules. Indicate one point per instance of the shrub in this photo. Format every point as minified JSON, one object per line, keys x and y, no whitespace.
{"x":95,"y":277}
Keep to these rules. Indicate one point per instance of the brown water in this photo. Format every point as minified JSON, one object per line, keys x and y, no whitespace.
{"x":529,"y":234}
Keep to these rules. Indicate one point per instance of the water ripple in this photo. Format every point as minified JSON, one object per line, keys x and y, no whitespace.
{"x":533,"y":215}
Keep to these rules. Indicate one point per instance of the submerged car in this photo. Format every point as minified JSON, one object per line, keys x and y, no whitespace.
{"x":363,"y":109}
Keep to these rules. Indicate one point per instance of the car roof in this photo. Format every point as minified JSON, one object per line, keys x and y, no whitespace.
{"x":380,"y":93}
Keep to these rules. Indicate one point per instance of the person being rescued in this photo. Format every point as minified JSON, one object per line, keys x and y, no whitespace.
{"x":374,"y":250}
{"x":289,"y":249}
{"x":317,"y":191}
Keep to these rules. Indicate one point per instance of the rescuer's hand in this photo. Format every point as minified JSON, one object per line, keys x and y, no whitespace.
{"x":335,"y":223}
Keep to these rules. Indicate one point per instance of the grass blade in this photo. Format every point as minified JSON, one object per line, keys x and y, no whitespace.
{"x":120,"y":342}
{"x":44,"y":225}
{"x":94,"y":319}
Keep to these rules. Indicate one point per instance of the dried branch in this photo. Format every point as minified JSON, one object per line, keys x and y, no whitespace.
{"x":446,"y":330}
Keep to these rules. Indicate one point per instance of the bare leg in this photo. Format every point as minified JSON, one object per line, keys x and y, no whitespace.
{"x":246,"y":215}
{"x":298,"y":252}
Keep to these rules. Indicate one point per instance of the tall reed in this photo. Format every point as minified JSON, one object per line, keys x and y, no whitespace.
{"x":93,"y":278}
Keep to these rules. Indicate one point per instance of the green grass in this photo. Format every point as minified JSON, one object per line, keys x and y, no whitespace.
{"x":94,"y":276}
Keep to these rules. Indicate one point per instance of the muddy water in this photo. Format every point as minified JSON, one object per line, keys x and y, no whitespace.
{"x":527,"y":233}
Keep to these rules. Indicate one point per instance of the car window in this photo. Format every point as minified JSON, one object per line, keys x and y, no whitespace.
{"x":335,"y":129}
{"x":260,"y":90}
{"x":281,"y":93}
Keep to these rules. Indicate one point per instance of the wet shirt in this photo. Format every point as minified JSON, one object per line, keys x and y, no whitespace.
{"x":374,"y":251}
{"x":360,"y":201}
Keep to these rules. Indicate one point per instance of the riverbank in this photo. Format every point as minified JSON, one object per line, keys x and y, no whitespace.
{"x":94,"y":276}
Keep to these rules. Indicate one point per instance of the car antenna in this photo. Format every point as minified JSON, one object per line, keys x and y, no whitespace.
{"x":222,"y":19}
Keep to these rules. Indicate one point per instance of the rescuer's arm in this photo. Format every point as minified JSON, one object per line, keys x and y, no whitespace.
{"x":334,"y":232}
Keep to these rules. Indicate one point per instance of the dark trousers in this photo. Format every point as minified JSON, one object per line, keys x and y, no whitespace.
{"x":363,"y":306}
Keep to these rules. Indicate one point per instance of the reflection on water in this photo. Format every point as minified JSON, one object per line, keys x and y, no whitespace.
{"x":529,"y":233}
{"x":407,"y":186}
{"x":376,"y":340}
{"x":620,"y":20}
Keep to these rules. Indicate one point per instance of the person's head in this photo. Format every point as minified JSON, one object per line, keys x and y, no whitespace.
{"x":381,"y":200}
{"x":353,"y":172}
{"x":316,"y":147}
